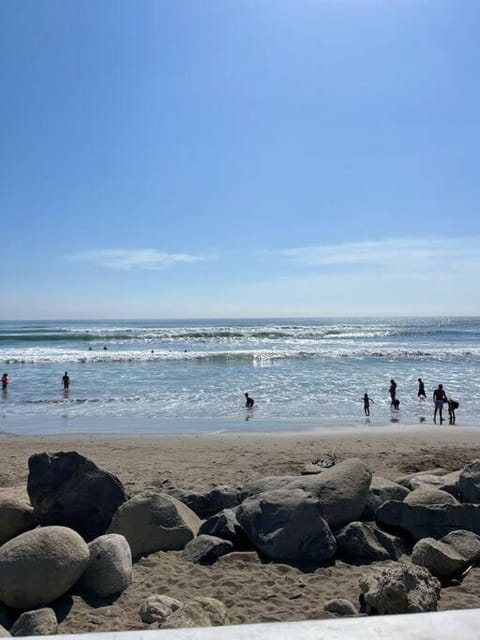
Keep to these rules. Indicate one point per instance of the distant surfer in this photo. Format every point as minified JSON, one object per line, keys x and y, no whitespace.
{"x":366,"y":403}
{"x":421,"y":390}
{"x":393,"y":392}
{"x":5,"y":381}
{"x":439,"y":397}
{"x":66,"y":381}
{"x":249,"y":402}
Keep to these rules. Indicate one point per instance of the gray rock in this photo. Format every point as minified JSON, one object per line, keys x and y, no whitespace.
{"x":469,"y":482}
{"x":428,"y":496}
{"x":70,"y":490}
{"x":226,"y":526}
{"x":157,"y":608}
{"x":439,"y":558}
{"x":466,"y":543}
{"x":41,"y":565}
{"x":287,"y":525}
{"x":405,"y":480}
{"x":365,"y":542}
{"x":399,"y":588}
{"x":41,"y":622}
{"x":380,"y":491}
{"x":206,"y":549}
{"x":155,"y":522}
{"x":433,"y":521}
{"x":109,"y":570}
{"x":16,"y":517}
{"x":207,"y":504}
{"x":341,"y":607}
{"x":198,"y":612}
{"x":342,"y":490}
{"x":268,"y":483}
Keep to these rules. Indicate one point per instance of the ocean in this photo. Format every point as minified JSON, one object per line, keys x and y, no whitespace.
{"x":186,"y":376}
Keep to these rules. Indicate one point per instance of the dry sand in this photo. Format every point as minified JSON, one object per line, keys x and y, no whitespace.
{"x":252,"y":592}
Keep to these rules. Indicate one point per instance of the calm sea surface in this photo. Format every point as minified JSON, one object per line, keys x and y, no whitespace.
{"x":190,"y":376}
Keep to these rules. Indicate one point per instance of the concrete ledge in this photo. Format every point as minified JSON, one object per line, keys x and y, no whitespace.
{"x":463,"y":624}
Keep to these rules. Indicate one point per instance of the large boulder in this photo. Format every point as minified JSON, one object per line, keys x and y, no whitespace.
{"x":429,"y":496}
{"x":287,"y":525}
{"x":198,"y":612}
{"x":433,"y":521}
{"x":469,"y":482}
{"x":399,"y":588}
{"x":41,"y":622}
{"x":109,"y":570}
{"x":206,"y":549}
{"x":439,"y":558}
{"x":39,"y":566}
{"x":157,"y":608}
{"x":206,"y":504}
{"x":379,"y":492}
{"x":342,"y":490}
{"x":155,"y":522}
{"x":405,"y":480}
{"x":70,"y":490}
{"x":359,"y":541}
{"x":16,"y":517}
{"x":466,"y":543}
{"x":226,"y":526}
{"x":261,"y":485}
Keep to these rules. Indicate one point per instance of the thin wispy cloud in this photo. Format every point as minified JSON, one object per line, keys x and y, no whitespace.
{"x":128,"y":259}
{"x":405,"y":253}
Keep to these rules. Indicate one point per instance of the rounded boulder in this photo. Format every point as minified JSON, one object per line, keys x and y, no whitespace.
{"x":41,"y":565}
{"x":109,"y":570}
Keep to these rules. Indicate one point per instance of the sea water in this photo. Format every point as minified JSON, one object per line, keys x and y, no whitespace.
{"x":191,"y":376}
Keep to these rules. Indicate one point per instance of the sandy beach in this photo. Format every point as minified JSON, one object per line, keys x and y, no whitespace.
{"x":252,"y":591}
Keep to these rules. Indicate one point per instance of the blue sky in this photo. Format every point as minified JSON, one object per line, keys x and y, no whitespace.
{"x":239,"y":158}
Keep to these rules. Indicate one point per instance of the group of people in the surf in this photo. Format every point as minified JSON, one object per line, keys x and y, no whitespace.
{"x":439,"y":399}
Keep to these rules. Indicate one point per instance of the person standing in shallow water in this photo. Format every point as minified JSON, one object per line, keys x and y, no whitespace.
{"x":439,"y":397}
{"x":249,"y":402}
{"x":5,"y":381}
{"x":393,"y":392}
{"x":421,"y":395}
{"x":66,"y":381}
{"x":366,"y":404}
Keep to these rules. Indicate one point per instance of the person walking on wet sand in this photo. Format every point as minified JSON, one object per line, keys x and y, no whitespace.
{"x":439,"y":397}
{"x":452,"y":406}
{"x":366,"y":403}
{"x":66,"y":381}
{"x":393,"y":392}
{"x":249,"y":402}
{"x":421,"y":395}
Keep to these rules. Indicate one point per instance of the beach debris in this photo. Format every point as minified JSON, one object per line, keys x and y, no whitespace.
{"x":155,"y":522}
{"x":68,"y":489}
{"x":469,"y":482}
{"x":206,"y":549}
{"x":428,"y":496}
{"x":206,"y":504}
{"x":379,"y":492}
{"x":109,"y":570}
{"x":365,"y":542}
{"x":287,"y":525}
{"x":16,"y":517}
{"x":226,"y":526}
{"x":398,"y":588}
{"x":41,"y":622}
{"x":198,"y":612}
{"x":39,"y":566}
{"x":157,"y":608}
{"x":433,"y":521}
{"x":341,"y":607}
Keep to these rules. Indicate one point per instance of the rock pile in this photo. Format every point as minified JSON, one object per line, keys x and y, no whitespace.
{"x":81,"y":532}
